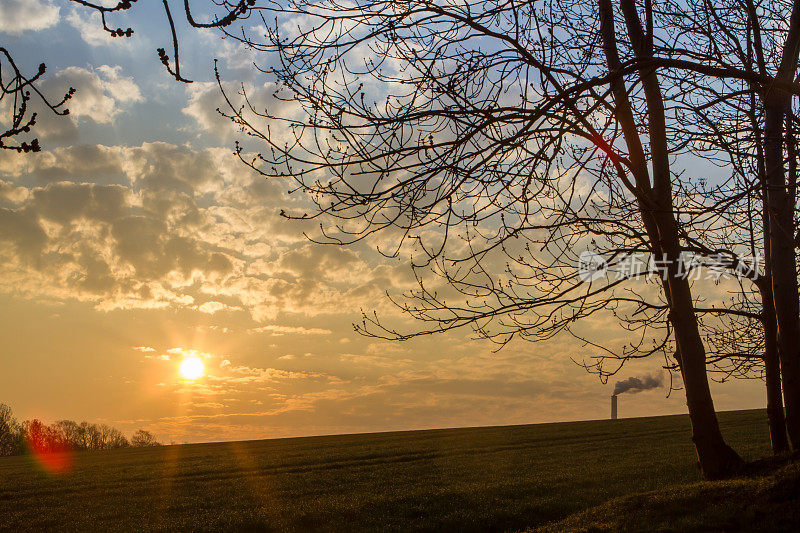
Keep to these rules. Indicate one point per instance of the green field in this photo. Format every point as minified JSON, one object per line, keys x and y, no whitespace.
{"x":498,"y":478}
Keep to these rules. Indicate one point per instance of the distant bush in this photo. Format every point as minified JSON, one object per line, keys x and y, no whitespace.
{"x":16,"y":439}
{"x":9,"y":432}
{"x":144,"y":438}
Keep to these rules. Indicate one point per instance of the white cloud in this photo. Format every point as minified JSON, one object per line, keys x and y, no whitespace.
{"x":122,"y":88}
{"x":204,"y":98}
{"x":144,"y":349}
{"x":187,"y":352}
{"x":101,"y":91}
{"x":212,"y":307}
{"x":289,"y":330}
{"x":162,"y":357}
{"x":17,"y":16}
{"x":90,"y":26}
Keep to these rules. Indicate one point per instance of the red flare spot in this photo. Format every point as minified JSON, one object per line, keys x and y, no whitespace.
{"x":54,"y":459}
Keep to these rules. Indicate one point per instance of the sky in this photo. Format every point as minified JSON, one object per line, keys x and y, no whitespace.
{"x":136,"y":240}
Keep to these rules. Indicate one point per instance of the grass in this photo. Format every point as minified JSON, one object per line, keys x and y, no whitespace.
{"x":499,"y":478}
{"x":762,"y":501}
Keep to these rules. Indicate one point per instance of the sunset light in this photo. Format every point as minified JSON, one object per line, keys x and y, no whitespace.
{"x":192,"y":368}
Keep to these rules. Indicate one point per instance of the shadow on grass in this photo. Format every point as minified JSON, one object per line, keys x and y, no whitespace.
{"x":765,"y":496}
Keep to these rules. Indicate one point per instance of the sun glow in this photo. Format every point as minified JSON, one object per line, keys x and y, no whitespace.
{"x":192,"y":368}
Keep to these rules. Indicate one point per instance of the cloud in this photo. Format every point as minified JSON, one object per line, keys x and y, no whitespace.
{"x":204,"y":98}
{"x":90,"y":26}
{"x":101,"y":92}
{"x":93,"y":162}
{"x":361,"y":361}
{"x":246,"y":374}
{"x":102,"y":95}
{"x":160,"y":225}
{"x":65,"y":202}
{"x":17,"y":16}
{"x":116,"y":245}
{"x":212,"y":307}
{"x":188,"y":352}
{"x":313,"y":261}
{"x":144,"y":349}
{"x":21,"y":229}
{"x":11,"y":193}
{"x":161,"y":168}
{"x":290,"y":330}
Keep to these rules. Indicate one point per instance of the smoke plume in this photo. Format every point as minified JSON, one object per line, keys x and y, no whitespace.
{"x":635,"y":384}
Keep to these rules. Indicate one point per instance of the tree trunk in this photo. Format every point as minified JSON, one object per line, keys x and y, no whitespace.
{"x":772,"y":375}
{"x":782,"y":230}
{"x":772,"y":366}
{"x":782,"y":262}
{"x":716,"y":458}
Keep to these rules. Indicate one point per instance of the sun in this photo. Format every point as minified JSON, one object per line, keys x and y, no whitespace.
{"x":192,"y":368}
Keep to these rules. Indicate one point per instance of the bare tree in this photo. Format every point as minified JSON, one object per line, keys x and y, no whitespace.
{"x":750,"y":124}
{"x":483,"y":133}
{"x":754,"y":39}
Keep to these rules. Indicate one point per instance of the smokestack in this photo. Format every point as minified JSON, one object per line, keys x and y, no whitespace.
{"x":633,"y":384}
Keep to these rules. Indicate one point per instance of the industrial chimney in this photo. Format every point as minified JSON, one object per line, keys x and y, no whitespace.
{"x":613,"y":407}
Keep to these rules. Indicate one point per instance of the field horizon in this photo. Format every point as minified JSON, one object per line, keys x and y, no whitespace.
{"x":484,"y":478}
{"x":447,"y":428}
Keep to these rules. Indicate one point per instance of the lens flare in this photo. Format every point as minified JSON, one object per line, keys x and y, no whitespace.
{"x":192,"y":368}
{"x":52,"y":458}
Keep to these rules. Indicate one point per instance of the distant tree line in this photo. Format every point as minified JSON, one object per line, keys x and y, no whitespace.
{"x":19,"y":438}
